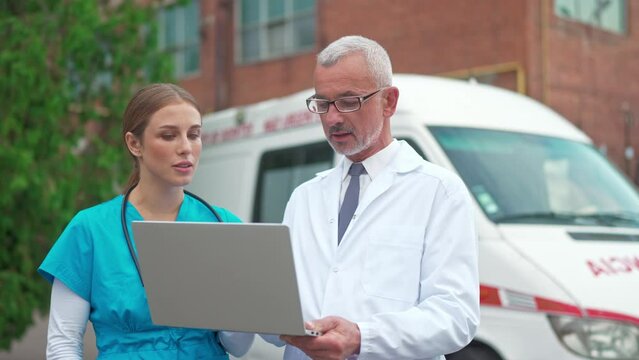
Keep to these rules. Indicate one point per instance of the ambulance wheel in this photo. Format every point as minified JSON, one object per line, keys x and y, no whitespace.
{"x":475,"y":351}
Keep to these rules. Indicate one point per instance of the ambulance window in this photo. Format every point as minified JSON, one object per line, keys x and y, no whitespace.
{"x":534,"y":179}
{"x":281,"y":171}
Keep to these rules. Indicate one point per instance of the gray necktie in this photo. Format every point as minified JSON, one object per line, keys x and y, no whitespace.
{"x":351,"y":198}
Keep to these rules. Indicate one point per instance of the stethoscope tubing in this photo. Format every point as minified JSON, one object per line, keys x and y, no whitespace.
{"x":127,"y":237}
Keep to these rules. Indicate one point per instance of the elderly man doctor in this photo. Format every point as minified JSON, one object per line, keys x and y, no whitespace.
{"x":384,"y":242}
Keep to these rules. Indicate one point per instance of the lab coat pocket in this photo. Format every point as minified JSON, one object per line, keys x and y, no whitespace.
{"x":392,"y":266}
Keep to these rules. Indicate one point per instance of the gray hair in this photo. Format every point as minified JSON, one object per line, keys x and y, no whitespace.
{"x":376,"y":57}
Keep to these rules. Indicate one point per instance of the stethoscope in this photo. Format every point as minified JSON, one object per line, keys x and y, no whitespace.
{"x":126,"y":230}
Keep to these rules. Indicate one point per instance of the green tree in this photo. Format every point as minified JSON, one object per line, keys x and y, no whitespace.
{"x":67,"y":70}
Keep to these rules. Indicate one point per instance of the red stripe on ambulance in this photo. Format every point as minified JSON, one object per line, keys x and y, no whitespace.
{"x":602,"y":314}
{"x":497,"y":297}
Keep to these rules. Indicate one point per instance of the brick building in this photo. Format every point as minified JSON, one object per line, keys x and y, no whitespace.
{"x":577,"y":56}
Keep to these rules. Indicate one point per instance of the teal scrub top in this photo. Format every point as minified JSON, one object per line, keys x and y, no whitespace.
{"x":91,"y":258}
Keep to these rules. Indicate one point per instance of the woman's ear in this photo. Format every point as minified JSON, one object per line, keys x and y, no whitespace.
{"x":133,"y":144}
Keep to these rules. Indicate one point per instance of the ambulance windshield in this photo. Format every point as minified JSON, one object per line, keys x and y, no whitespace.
{"x":524,"y":178}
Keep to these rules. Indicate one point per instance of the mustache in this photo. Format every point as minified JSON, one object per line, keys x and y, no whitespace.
{"x":339,"y":128}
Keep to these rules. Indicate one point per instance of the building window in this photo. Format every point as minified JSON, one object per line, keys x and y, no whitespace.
{"x":179,"y":27}
{"x":608,"y":15}
{"x":274,"y":28}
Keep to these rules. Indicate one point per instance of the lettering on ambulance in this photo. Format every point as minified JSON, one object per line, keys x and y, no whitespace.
{"x":272,"y":124}
{"x":291,"y":120}
{"x":231,"y":133}
{"x":613,"y":265}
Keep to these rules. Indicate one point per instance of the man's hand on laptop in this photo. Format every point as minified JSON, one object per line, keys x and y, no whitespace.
{"x":339,"y":339}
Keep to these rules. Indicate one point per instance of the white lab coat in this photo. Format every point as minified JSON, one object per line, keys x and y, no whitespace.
{"x":406,"y":269}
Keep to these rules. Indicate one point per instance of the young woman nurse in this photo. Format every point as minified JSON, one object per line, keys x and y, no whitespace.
{"x":94,"y":273}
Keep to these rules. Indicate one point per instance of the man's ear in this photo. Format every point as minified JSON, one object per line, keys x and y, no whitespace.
{"x":391,"y":95}
{"x":133,"y":144}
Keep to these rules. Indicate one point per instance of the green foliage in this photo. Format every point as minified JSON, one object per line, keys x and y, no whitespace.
{"x":67,"y":70}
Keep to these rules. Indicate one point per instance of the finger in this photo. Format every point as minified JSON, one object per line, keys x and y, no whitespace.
{"x":325,"y":324}
{"x":294,"y":340}
{"x":297,"y":341}
{"x":307,"y":344}
{"x":320,"y":355}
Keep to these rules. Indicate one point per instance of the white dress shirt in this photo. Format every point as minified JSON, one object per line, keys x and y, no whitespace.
{"x":374,"y":165}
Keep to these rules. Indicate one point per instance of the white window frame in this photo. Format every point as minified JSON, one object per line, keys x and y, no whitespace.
{"x":582,"y":15}
{"x":182,"y":44}
{"x":264,"y":52}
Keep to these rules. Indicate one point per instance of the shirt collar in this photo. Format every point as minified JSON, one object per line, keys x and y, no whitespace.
{"x":375,"y":164}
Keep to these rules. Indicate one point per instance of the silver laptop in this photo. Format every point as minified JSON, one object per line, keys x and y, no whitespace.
{"x":224,"y":276}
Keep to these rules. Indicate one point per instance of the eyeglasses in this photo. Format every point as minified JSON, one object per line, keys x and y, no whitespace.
{"x":344,"y":105}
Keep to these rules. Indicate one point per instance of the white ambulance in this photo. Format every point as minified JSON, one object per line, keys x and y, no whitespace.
{"x":558,"y":225}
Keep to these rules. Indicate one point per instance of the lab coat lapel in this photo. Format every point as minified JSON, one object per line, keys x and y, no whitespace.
{"x":406,"y":160}
{"x":376,"y":188}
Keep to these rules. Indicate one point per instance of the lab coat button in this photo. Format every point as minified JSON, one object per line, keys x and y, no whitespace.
{"x":335,"y":269}
{"x":331,"y":220}
{"x":354,"y":216}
